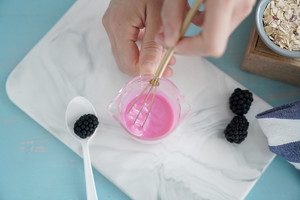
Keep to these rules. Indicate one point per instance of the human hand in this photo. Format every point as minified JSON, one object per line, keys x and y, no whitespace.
{"x":126,"y":22}
{"x":218,"y":21}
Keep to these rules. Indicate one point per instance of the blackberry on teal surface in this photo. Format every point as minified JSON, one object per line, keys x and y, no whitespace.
{"x":86,"y":125}
{"x":236,"y":130}
{"x":240,"y":101}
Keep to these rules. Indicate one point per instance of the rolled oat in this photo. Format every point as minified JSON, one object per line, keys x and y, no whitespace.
{"x":282,"y":23}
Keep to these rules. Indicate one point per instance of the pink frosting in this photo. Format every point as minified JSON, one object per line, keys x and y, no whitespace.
{"x":160,"y":119}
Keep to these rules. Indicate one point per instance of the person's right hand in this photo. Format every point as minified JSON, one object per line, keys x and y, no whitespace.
{"x":126,"y":22}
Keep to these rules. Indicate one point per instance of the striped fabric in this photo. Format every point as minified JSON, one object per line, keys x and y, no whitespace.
{"x":281,"y":125}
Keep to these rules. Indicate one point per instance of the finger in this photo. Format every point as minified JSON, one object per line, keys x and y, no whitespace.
{"x":241,"y":12}
{"x":160,"y":39}
{"x":128,"y":51}
{"x":105,"y":22}
{"x":141,"y":34}
{"x":168,"y":72}
{"x":123,"y":34}
{"x":172,"y":15}
{"x":213,"y":38}
{"x":151,"y":51}
{"x":126,"y":48}
{"x":172,"y":61}
{"x":198,"y":19}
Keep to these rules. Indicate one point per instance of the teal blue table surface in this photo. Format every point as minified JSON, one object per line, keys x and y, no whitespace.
{"x":35,"y":165}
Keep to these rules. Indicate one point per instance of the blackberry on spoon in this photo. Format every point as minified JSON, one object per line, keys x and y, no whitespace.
{"x":85,"y":126}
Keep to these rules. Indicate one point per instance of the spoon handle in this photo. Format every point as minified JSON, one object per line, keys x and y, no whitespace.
{"x":89,"y":178}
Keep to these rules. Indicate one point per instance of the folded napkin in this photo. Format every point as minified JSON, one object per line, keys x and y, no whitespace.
{"x":281,"y":125}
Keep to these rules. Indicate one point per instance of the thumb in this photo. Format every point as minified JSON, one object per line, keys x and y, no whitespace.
{"x":150,"y":56}
{"x":151,"y":51}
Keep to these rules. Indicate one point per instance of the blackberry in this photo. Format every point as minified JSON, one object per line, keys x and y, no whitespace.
{"x":236,"y":130}
{"x":86,"y":125}
{"x":240,"y":101}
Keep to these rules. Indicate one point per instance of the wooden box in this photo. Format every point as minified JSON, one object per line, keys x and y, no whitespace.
{"x":259,"y":59}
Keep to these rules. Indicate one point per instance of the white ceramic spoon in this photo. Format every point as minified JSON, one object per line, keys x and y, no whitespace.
{"x":77,"y":107}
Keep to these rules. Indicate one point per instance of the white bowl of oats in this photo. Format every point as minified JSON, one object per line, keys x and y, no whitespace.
{"x":278,"y":25}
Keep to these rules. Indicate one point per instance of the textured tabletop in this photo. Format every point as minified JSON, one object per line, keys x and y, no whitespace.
{"x":35,"y":159}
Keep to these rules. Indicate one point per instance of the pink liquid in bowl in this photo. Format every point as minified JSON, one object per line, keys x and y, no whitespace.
{"x":160,"y":120}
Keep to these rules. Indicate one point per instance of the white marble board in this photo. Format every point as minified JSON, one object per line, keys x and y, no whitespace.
{"x":195,"y":162}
